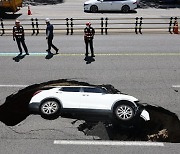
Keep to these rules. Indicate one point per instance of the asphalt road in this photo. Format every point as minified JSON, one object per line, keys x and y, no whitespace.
{"x":145,"y":66}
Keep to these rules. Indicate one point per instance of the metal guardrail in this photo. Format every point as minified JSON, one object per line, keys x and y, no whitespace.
{"x":70,"y":26}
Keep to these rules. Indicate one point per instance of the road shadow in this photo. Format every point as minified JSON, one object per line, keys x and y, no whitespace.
{"x":9,"y":16}
{"x":89,"y":59}
{"x":50,"y":55}
{"x":114,"y":12}
{"x":18,"y":58}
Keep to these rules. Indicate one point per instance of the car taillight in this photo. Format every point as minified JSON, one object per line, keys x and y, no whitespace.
{"x":37,"y":92}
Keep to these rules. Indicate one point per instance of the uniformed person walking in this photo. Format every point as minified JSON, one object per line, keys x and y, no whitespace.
{"x":49,"y":36}
{"x":88,"y":38}
{"x":18,"y":35}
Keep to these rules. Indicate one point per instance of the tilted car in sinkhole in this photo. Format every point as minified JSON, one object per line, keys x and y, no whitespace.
{"x":88,"y":101}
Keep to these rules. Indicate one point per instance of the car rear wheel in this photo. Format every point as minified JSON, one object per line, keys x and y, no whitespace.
{"x":125,"y":9}
{"x":94,"y":8}
{"x":124,"y":112}
{"x":50,"y":108}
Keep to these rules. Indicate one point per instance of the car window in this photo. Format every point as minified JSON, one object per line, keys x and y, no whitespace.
{"x":93,"y":90}
{"x":110,"y":0}
{"x":70,"y":89}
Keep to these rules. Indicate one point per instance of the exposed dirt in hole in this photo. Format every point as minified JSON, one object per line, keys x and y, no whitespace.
{"x":164,"y":125}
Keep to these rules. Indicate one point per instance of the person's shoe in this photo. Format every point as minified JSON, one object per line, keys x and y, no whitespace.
{"x":57,"y":51}
{"x":49,"y":52}
{"x":27,"y":53}
{"x":92,"y":55}
{"x":20,"y":54}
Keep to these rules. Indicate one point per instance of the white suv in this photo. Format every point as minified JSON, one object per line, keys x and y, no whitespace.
{"x":86,"y":100}
{"x":110,"y":5}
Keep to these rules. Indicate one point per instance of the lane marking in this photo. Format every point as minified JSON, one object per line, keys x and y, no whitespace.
{"x":124,"y":54}
{"x":16,"y":54}
{"x":97,"y":54}
{"x":107,"y":143}
{"x":176,"y":86}
{"x":15,"y":86}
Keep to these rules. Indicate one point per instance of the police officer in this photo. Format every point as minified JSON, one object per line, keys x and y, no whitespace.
{"x":49,"y":36}
{"x":88,"y":38}
{"x":18,"y":35}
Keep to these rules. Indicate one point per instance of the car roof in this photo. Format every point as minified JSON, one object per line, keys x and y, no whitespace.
{"x":73,"y":86}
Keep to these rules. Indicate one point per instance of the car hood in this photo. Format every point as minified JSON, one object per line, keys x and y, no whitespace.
{"x":90,"y":1}
{"x":125,"y":97}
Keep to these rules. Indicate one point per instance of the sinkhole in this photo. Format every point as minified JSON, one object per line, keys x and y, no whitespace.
{"x":164,"y":126}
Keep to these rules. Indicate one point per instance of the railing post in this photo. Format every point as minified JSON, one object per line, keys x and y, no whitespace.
{"x":140,"y":25}
{"x":37,"y":26}
{"x":67,"y":25}
{"x":106,"y":25}
{"x":170,"y":25}
{"x":102,"y":25}
{"x":32,"y":23}
{"x":2,"y":26}
{"x":71,"y":26}
{"x":136,"y":25}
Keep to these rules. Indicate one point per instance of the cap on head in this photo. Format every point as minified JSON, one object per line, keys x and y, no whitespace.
{"x":88,"y":24}
{"x":47,"y":20}
{"x":17,"y":21}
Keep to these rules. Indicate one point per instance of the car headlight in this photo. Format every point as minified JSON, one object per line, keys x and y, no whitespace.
{"x":85,"y":5}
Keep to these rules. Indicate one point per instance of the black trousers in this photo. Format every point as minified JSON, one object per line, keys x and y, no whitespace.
{"x":50,"y":44}
{"x":89,"y":42}
{"x":21,"y":41}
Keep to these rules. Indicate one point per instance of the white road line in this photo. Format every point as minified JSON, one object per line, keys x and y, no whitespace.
{"x":15,"y":86}
{"x":176,"y":86}
{"x":106,"y":143}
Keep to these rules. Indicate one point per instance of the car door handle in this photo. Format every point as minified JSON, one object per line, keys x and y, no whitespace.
{"x":85,"y":95}
{"x":59,"y":92}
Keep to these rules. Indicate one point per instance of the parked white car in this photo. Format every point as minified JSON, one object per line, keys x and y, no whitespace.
{"x":110,"y":5}
{"x":86,"y":100}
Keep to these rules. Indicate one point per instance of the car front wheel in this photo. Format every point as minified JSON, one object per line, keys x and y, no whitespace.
{"x":125,"y":9}
{"x":94,"y":9}
{"x":49,"y":108}
{"x":124,"y":112}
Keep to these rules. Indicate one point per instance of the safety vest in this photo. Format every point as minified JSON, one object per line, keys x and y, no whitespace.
{"x":18,"y":32}
{"x":175,"y":28}
{"x":89,"y":33}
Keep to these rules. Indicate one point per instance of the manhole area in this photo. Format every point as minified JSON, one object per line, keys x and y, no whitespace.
{"x":164,"y":125}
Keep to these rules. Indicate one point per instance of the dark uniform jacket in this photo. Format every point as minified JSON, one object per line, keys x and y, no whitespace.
{"x":18,"y":32}
{"x":49,"y":31}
